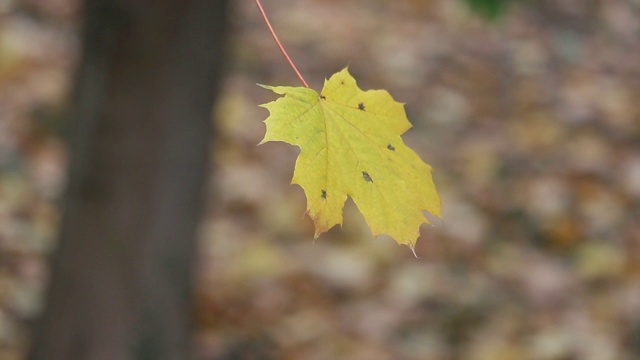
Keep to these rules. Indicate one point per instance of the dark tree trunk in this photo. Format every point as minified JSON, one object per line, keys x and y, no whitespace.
{"x":122,"y":273}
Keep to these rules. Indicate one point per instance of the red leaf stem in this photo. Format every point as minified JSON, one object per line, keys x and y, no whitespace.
{"x":275,"y":37}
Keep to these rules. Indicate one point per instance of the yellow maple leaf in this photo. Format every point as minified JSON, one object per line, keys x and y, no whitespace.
{"x":351,"y":146}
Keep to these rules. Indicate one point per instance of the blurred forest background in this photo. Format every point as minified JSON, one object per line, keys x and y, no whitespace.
{"x":532,"y":123}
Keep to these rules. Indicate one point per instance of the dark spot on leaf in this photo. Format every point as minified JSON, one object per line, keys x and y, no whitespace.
{"x":361,"y":106}
{"x":341,"y":82}
{"x":324,"y":194}
{"x":390,"y":147}
{"x":366,"y":176}
{"x":322,"y":97}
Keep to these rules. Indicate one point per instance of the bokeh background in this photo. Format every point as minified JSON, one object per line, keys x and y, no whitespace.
{"x":531,"y":121}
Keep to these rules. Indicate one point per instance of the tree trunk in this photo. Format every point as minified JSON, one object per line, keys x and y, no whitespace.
{"x":122,"y":273}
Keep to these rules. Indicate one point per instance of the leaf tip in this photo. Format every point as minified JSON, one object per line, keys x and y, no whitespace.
{"x":413,"y":250}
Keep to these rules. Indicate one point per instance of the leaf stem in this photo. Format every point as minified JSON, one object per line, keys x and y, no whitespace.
{"x":275,"y":37}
